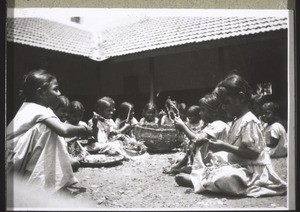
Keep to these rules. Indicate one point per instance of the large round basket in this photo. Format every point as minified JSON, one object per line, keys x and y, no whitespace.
{"x":158,"y":138}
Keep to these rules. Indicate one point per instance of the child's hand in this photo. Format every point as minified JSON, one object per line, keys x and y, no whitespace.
{"x":127,"y":125}
{"x":216,"y":145}
{"x":178,"y":123}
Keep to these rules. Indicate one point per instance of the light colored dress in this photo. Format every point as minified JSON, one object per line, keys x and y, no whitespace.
{"x":217,"y":130}
{"x":35,"y":152}
{"x":276,"y":130}
{"x":197,"y":127}
{"x":242,"y":176}
{"x":105,"y":144}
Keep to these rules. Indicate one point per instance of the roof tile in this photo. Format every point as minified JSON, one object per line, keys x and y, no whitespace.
{"x":49,"y":35}
{"x":165,"y":32}
{"x":145,"y":35}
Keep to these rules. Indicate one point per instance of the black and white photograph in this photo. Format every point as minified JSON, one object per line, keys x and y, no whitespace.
{"x":149,"y":109}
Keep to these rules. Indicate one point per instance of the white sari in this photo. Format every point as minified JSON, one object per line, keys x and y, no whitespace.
{"x":35,"y":152}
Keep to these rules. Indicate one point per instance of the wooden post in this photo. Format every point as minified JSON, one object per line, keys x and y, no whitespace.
{"x":152,"y":77}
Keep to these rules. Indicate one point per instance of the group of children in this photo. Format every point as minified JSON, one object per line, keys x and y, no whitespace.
{"x":114,"y":137}
{"x":109,"y":137}
{"x":231,"y":153}
{"x":225,"y":146}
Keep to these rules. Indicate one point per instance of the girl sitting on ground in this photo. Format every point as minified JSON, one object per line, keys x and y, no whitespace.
{"x":126,"y":116}
{"x":62,"y":112}
{"x":76,"y":151}
{"x":274,"y":132}
{"x":215,"y":128}
{"x":172,"y":109}
{"x":35,"y":143}
{"x":249,"y":171}
{"x":195,"y":124}
{"x":149,"y":114}
{"x":76,"y":112}
{"x":194,"y":120}
{"x":125,"y":123}
{"x":105,"y":130}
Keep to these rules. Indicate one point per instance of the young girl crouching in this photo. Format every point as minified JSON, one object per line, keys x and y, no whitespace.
{"x":35,"y":143}
{"x":215,"y":128}
{"x":249,"y":172}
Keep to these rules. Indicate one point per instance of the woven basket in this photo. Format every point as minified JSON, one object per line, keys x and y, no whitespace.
{"x":158,"y":138}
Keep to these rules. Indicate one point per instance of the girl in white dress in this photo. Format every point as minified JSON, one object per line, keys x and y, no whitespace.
{"x":274,"y":132}
{"x":215,"y":128}
{"x":35,"y":145}
{"x":108,"y":138}
{"x":149,"y":114}
{"x":126,"y":117}
{"x":249,"y":172}
{"x":126,"y":123}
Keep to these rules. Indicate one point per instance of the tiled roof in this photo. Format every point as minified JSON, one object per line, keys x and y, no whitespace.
{"x":165,"y":32}
{"x":148,"y":34}
{"x":51,"y":35}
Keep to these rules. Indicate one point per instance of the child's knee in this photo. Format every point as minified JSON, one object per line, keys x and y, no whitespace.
{"x":181,"y":180}
{"x":178,"y":179}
